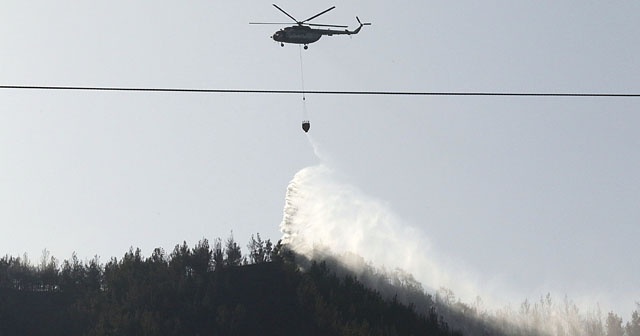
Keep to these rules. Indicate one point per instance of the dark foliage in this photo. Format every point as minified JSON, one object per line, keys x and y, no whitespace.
{"x":197,"y":291}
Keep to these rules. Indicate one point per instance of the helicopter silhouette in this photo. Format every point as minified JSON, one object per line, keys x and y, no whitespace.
{"x":303,"y":33}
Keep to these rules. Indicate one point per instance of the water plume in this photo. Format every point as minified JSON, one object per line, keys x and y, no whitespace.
{"x":327,"y":217}
{"x":323,"y":213}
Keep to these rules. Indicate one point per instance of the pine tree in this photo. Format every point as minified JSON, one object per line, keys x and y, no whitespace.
{"x":233,"y":252}
{"x":218,"y":254}
{"x":633,"y":326}
{"x":614,"y":325}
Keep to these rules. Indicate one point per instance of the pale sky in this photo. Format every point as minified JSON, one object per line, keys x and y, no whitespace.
{"x":540,"y":193}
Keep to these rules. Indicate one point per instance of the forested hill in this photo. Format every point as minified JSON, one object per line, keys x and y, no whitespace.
{"x":197,"y":291}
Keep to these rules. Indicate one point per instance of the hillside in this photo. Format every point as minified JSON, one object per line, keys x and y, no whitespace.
{"x":198,"y":291}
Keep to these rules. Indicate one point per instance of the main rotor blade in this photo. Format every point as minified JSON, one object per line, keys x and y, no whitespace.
{"x":324,"y":25}
{"x":315,"y":16}
{"x":285,"y":13}
{"x":270,"y":23}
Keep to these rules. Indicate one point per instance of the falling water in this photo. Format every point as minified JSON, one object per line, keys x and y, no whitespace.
{"x":323,"y":213}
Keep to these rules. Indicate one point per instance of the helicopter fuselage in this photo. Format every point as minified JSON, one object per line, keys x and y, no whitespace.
{"x":298,"y":35}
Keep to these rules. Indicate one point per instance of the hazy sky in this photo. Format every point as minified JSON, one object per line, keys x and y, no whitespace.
{"x":540,"y":193}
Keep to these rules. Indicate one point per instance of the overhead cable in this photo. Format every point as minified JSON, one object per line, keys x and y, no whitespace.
{"x":319,"y":92}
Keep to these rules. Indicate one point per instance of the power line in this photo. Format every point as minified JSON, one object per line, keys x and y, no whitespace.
{"x":321,"y":92}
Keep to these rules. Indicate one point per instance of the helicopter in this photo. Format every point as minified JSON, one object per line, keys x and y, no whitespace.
{"x":302,"y":33}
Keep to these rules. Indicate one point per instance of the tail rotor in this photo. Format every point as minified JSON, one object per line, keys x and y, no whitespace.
{"x":363,"y":23}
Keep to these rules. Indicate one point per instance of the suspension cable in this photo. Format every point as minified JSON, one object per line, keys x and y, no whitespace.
{"x":302,"y":73}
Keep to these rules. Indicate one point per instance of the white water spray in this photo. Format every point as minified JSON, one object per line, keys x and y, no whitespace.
{"x":324,"y":212}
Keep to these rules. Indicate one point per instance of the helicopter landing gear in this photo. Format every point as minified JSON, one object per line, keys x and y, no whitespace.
{"x":282,"y":44}
{"x":306,"y":47}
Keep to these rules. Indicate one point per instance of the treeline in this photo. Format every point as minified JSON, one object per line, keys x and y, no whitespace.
{"x":50,"y":275}
{"x":200,"y":290}
{"x":544,"y":317}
